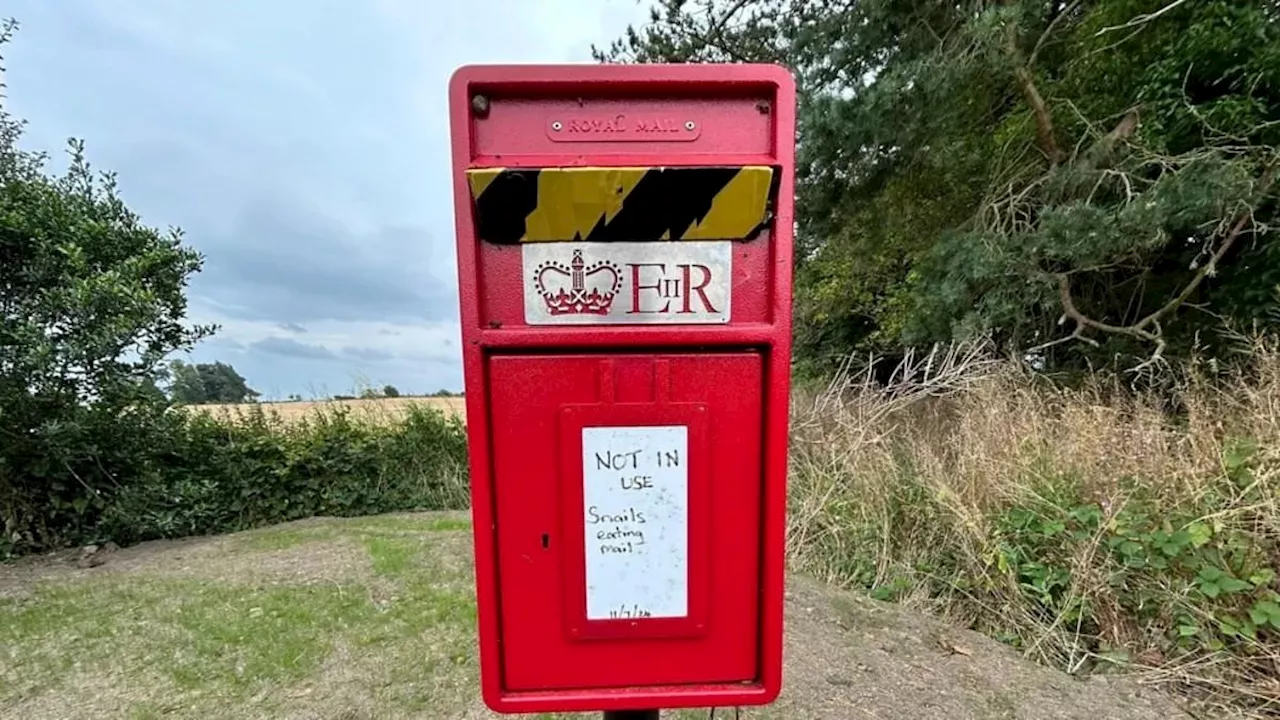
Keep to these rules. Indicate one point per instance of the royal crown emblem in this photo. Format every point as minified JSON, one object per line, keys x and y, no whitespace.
{"x":576,"y":288}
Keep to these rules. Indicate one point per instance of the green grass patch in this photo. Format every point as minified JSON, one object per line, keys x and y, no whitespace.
{"x":394,"y":523}
{"x":391,"y":556}
{"x":218,"y":639}
{"x":234,"y":641}
{"x":145,"y":711}
{"x":290,"y":536}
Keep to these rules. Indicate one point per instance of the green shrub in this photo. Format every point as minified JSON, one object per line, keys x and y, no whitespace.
{"x":198,"y":473}
{"x":224,"y":474}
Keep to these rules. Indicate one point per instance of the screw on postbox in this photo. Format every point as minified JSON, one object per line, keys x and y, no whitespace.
{"x":624,"y":238}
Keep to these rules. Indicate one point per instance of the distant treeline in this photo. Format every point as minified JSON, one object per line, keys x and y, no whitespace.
{"x":389,"y":391}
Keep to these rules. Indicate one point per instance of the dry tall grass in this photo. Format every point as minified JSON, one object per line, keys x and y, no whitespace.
{"x":1088,"y":527}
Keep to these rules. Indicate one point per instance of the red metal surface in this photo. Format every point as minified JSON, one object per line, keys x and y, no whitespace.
{"x":727,"y":125}
{"x":528,"y":393}
{"x":518,"y":377}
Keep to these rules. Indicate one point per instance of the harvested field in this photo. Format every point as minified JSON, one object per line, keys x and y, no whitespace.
{"x":377,"y":408}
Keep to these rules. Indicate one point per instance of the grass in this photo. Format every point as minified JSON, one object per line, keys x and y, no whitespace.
{"x":374,"y":529}
{"x":1092,"y":528}
{"x":391,"y":557}
{"x":213,"y":642}
{"x":349,"y":618}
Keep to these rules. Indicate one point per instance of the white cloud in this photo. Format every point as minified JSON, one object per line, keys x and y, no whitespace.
{"x":511,"y":31}
{"x":429,"y":342}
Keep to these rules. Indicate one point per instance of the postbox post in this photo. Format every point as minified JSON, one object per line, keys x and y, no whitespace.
{"x":631,"y":715}
{"x":624,"y":245}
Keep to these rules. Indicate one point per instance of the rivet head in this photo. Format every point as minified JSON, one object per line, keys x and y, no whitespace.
{"x":557,"y":126}
{"x":480,"y":105}
{"x":689,"y":125}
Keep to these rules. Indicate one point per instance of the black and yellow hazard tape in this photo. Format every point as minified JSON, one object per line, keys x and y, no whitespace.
{"x":603,"y":204}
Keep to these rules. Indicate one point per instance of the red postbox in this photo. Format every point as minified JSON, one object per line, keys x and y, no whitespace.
{"x":624,"y":256}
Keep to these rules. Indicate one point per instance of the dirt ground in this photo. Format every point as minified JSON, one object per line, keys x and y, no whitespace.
{"x":373,"y":618}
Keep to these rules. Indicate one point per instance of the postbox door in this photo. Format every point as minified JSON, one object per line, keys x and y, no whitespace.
{"x":628,"y":506}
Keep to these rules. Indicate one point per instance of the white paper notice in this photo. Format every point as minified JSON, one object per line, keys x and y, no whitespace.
{"x":636,"y":497}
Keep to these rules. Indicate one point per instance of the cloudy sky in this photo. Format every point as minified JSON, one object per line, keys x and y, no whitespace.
{"x":302,"y":146}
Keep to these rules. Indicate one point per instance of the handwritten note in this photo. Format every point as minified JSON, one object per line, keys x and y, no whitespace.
{"x":636,"y":502}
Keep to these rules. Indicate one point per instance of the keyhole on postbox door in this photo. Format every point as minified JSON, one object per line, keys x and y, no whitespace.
{"x":546,"y":541}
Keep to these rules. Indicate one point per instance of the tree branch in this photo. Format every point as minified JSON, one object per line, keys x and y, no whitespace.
{"x":1077,"y":334}
{"x":1200,"y":275}
{"x":1070,"y":310}
{"x":714,"y":37}
{"x":1141,"y":19}
{"x":1044,"y":36}
{"x":1045,"y":137}
{"x":1044,"y":121}
{"x":1140,"y":329}
{"x":718,"y":26}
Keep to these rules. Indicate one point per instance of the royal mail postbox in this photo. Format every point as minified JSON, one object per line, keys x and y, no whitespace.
{"x":624,"y":238}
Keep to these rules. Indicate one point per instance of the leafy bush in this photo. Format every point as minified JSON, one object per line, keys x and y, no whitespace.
{"x":209,"y":474}
{"x":91,"y":301}
{"x":225,"y":474}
